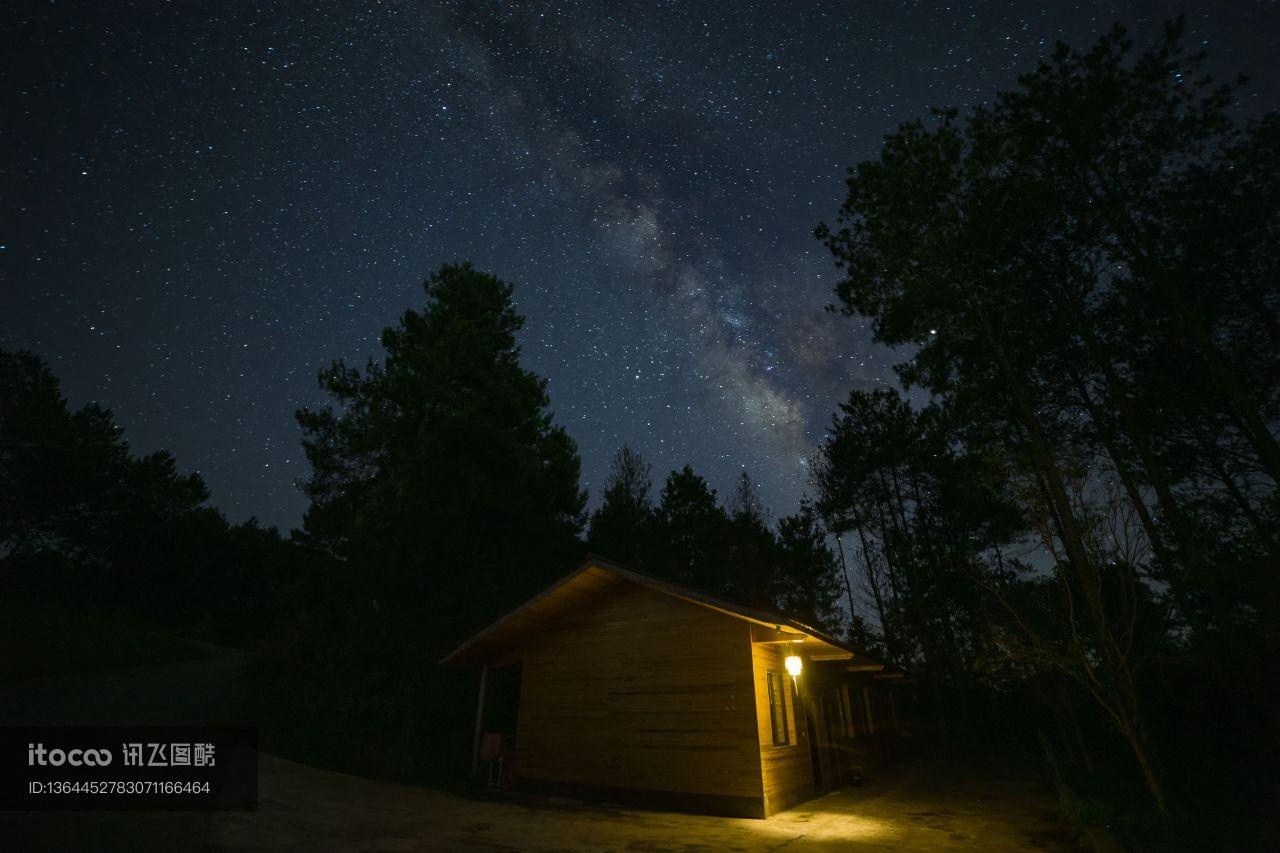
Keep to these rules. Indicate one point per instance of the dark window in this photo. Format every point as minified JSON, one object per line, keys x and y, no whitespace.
{"x":778,"y":708}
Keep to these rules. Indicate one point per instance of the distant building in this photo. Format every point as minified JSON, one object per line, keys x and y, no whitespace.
{"x":640,"y":691}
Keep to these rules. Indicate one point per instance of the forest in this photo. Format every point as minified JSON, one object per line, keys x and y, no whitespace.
{"x":1062,"y":522}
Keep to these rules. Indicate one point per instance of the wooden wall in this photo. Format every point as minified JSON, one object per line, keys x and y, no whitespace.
{"x":787,"y":773}
{"x":644,"y":692}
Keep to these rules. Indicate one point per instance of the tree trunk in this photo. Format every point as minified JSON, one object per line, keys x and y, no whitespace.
{"x":874,"y":584}
{"x":844,"y":572}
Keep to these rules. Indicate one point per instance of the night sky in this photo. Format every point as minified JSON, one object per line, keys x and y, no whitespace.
{"x":205,"y":203}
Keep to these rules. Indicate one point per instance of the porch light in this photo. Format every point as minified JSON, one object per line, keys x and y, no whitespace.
{"x":793,"y":664}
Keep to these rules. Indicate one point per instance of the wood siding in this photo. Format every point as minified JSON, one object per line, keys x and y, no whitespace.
{"x":646,"y":692}
{"x":786,"y":771}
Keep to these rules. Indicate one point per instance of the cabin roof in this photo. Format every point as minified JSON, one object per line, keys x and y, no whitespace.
{"x":503,"y":637}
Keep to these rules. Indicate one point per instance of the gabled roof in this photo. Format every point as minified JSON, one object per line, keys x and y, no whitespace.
{"x":594,"y":577}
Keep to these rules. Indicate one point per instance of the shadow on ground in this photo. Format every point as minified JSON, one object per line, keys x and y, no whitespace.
{"x":207,"y":690}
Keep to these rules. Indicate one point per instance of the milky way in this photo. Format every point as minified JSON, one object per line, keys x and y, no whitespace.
{"x":205,"y":204}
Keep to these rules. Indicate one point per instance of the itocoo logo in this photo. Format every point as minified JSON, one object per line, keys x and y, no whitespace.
{"x":38,"y":755}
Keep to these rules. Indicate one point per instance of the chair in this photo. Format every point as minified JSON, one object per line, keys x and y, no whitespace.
{"x":493,"y":754}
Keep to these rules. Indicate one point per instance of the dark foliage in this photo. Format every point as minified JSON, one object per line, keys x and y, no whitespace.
{"x":626,"y":522}
{"x":85,"y":522}
{"x":734,"y":551}
{"x":1083,"y":273}
{"x":442,"y":495}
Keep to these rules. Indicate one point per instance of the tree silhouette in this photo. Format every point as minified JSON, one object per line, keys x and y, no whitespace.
{"x":623,"y":527}
{"x":1081,"y":275}
{"x":691,"y":528}
{"x":439,"y":474}
{"x":807,"y":582}
{"x":87,"y":523}
{"x":443,"y":494}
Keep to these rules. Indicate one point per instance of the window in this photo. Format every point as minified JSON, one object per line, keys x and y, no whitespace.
{"x":778,"y":708}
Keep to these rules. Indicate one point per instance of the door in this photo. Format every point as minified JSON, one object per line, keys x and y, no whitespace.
{"x":816,"y":751}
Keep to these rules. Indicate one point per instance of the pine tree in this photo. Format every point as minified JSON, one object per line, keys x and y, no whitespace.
{"x":622,"y":528}
{"x":439,"y":477}
{"x":750,"y":551}
{"x":691,"y":534}
{"x":807,"y":581}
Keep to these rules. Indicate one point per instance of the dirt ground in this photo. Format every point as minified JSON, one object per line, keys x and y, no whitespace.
{"x":926,"y":806}
{"x":919,"y":806}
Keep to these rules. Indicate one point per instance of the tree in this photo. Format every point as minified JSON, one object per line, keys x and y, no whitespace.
{"x":623,"y":527}
{"x":691,"y":531}
{"x":444,"y":494}
{"x":70,"y":488}
{"x":86,"y":522}
{"x":808,"y":583}
{"x":923,"y":520}
{"x":1082,"y":276}
{"x":749,"y":552}
{"x":440,"y":476}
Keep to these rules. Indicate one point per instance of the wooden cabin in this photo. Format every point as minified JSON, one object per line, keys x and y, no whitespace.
{"x":640,"y":691}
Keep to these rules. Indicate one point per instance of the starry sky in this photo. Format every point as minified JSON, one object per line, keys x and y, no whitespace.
{"x":205,"y":203}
